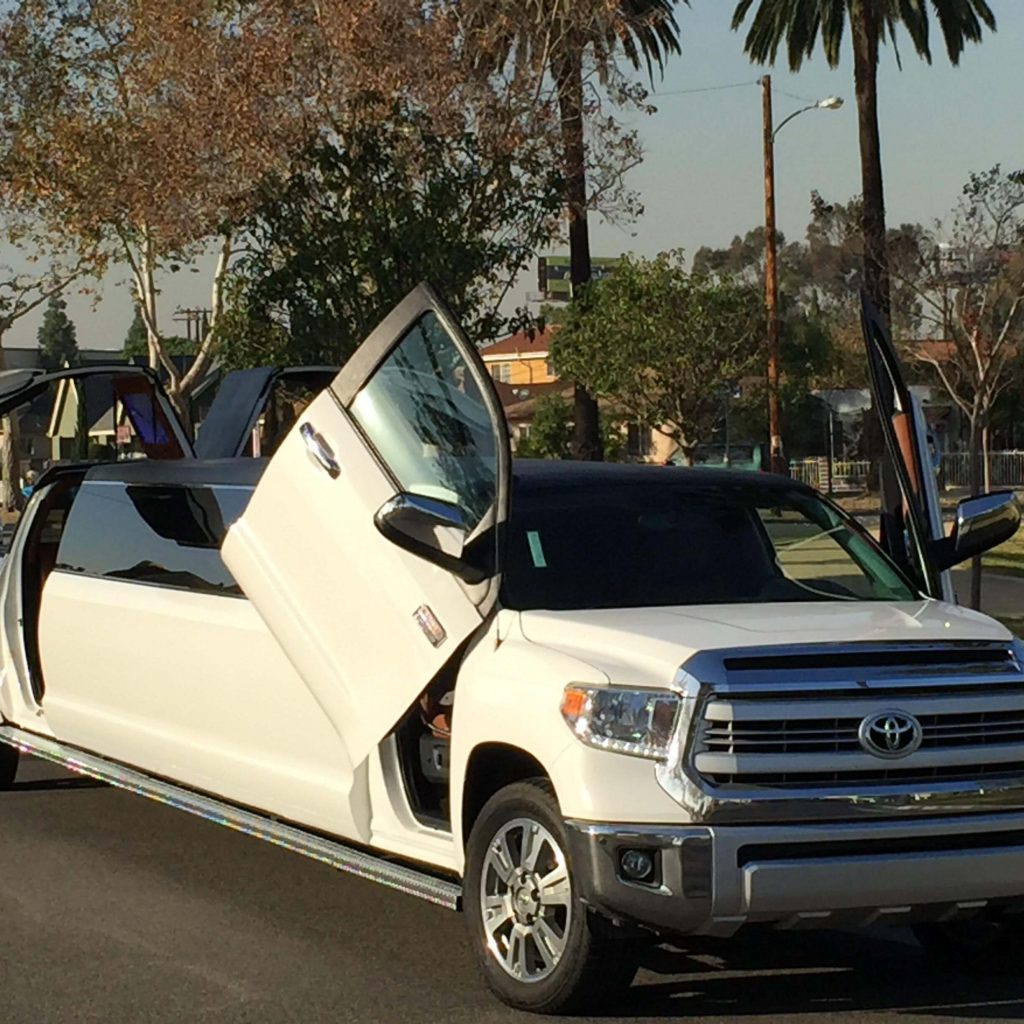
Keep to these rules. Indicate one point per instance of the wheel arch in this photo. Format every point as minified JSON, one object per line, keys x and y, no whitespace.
{"x":490,"y":767}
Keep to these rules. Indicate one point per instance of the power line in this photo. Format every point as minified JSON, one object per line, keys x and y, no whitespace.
{"x":655,"y":95}
{"x":793,"y":96}
{"x":707,"y":88}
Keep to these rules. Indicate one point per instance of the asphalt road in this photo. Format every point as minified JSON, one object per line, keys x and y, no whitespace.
{"x":116,"y":910}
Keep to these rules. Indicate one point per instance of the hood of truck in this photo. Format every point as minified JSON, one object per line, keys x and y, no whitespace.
{"x":645,"y":646}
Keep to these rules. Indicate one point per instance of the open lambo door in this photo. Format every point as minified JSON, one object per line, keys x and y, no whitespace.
{"x":911,"y":519}
{"x":254,"y":408}
{"x":75,"y":406}
{"x":370,"y":544}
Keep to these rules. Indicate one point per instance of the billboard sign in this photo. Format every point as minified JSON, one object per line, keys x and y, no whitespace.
{"x":553,"y":277}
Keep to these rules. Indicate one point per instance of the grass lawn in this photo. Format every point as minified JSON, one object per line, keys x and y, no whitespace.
{"x":1008,"y":558}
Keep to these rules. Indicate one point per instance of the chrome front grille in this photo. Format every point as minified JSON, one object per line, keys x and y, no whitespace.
{"x":833,"y":735}
{"x":757,"y":734}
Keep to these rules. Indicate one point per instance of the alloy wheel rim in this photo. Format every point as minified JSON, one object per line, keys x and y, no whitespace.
{"x":525,"y":900}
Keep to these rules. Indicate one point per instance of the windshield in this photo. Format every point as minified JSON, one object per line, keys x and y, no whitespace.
{"x":632,"y":546}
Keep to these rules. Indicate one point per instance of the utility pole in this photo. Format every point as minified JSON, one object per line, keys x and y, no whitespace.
{"x":198,"y":318}
{"x":771,"y":267}
{"x":771,"y":282}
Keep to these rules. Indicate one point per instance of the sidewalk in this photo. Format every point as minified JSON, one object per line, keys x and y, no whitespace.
{"x":1000,"y":595}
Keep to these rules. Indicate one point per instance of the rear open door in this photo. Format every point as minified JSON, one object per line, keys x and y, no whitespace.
{"x":129,"y":400}
{"x":413,"y":416}
{"x":245,"y":402}
{"x":911,"y":516}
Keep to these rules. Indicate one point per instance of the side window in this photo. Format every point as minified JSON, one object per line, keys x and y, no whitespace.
{"x":165,"y":535}
{"x":285,"y":405}
{"x":424,"y":413}
{"x":826,"y":558}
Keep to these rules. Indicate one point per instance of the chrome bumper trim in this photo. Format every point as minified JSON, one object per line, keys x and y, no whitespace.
{"x":713,"y":880}
{"x":352,"y":861}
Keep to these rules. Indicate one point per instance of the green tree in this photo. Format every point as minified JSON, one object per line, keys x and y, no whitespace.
{"x":335,"y":246}
{"x":797,"y":25}
{"x":56,"y":335}
{"x":136,"y":341}
{"x":550,"y":435}
{"x":806,"y":331}
{"x":743,"y":258}
{"x":662,"y":345}
{"x":558,"y":38}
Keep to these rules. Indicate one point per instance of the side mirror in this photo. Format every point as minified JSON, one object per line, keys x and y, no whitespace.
{"x":432,"y":529}
{"x":982,"y":523}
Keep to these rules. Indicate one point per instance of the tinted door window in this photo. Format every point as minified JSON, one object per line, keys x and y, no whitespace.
{"x":165,"y":535}
{"x":424,"y":413}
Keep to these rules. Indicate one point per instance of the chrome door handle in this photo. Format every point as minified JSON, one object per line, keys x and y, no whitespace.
{"x":319,"y":450}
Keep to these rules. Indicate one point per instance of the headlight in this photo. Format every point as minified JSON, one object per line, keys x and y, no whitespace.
{"x":637,"y":722}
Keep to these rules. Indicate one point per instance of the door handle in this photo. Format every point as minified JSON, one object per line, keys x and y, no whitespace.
{"x":319,"y":450}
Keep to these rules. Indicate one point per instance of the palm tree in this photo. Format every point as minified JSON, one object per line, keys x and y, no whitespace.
{"x":798,"y":23}
{"x":555,"y":36}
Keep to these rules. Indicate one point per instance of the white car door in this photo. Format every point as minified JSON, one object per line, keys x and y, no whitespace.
{"x":138,"y":407}
{"x":370,"y":544}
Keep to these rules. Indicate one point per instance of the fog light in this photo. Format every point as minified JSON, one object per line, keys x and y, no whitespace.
{"x":637,"y":865}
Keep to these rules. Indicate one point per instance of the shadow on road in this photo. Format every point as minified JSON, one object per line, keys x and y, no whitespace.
{"x":777,"y":974}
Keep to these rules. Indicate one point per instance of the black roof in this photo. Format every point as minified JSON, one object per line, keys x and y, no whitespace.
{"x":537,"y":474}
{"x":528,"y":474}
{"x":235,"y":472}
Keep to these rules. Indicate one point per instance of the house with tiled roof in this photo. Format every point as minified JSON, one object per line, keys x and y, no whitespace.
{"x":523,"y":358}
{"x":523,"y":375}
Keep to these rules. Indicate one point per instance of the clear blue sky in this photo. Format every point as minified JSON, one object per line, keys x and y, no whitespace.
{"x":701,"y":181}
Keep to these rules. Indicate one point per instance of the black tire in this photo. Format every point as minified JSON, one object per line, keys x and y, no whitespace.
{"x":981,"y":945}
{"x":9,"y":758}
{"x":598,"y":960}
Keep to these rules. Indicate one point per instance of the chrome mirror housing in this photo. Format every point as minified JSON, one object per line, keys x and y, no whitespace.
{"x":432,"y":529}
{"x":982,"y":523}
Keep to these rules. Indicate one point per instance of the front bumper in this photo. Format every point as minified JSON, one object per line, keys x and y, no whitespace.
{"x":711,"y":880}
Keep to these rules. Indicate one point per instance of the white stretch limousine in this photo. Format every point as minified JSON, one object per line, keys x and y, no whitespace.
{"x":587,"y":704}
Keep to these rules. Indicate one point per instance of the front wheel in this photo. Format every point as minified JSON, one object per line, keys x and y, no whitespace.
{"x":540,"y":948}
{"x":978,"y":945}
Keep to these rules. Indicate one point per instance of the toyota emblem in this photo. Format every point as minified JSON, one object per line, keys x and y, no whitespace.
{"x":890,"y":734}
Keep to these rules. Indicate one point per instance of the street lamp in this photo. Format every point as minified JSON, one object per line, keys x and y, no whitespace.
{"x":771,"y":270}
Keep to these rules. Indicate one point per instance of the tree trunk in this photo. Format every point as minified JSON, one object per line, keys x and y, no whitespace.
{"x":976,"y":485}
{"x":181,"y":405}
{"x":11,"y":498}
{"x":986,"y":458}
{"x":863,"y":22}
{"x":586,"y":437}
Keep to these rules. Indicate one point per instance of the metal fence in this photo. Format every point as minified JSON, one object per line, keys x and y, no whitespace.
{"x":1006,"y":468}
{"x":847,"y":475}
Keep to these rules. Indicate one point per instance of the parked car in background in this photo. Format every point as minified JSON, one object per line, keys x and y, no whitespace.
{"x":750,"y":456}
{"x":590,"y":705}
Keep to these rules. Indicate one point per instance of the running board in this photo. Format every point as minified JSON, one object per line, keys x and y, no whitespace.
{"x":356,"y":862}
